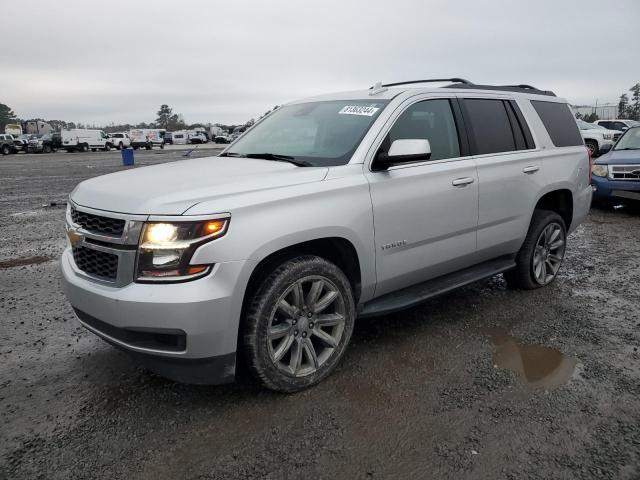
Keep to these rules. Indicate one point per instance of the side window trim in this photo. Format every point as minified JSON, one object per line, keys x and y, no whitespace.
{"x":528,"y":138}
{"x":463,"y":137}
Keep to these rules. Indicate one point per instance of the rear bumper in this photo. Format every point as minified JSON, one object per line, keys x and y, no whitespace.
{"x":605,"y":189}
{"x":185,"y":331}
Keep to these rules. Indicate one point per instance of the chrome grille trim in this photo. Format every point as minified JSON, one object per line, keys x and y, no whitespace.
{"x":624,"y":172}
{"x":124,"y":247}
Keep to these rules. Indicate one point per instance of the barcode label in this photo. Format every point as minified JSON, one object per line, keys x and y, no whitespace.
{"x":358,"y":110}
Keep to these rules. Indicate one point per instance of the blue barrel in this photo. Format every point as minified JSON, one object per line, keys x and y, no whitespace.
{"x":127,"y":157}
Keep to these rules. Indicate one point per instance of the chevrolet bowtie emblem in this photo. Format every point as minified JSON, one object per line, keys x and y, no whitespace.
{"x":74,"y":237}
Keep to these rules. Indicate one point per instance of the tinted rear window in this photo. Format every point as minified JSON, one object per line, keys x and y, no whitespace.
{"x":490,"y":126}
{"x":559,"y":122}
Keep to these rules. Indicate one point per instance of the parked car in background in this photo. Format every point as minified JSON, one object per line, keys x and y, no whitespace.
{"x":222,"y":139}
{"x":180,"y":137}
{"x":615,"y":176}
{"x":6,"y":144}
{"x":197,"y":137}
{"x":204,"y":132}
{"x":120,"y":140}
{"x":596,"y":137}
{"x":617,"y":124}
{"x":168,"y":138}
{"x":21,"y":143}
{"x":353,"y":204}
{"x":14,"y":129}
{"x":83,"y":140}
{"x":41,"y":144}
{"x":146,"y":138}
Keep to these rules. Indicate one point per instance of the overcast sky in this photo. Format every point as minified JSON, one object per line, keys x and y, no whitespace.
{"x":227,"y":61}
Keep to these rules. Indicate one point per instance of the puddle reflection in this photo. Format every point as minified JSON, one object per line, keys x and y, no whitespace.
{"x":536,"y":365}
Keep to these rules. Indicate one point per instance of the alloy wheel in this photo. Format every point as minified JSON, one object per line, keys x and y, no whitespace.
{"x":306,"y":326}
{"x":548,"y":253}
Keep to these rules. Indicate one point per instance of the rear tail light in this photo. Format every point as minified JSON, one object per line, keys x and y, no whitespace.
{"x":590,"y":166}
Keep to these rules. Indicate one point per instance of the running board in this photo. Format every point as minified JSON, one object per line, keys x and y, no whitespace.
{"x":416,"y":294}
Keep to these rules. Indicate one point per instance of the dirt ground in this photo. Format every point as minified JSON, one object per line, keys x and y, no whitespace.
{"x":482,"y":383}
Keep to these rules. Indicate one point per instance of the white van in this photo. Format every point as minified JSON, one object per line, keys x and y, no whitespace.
{"x":146,"y":138}
{"x":180,"y":138}
{"x":81,"y":139}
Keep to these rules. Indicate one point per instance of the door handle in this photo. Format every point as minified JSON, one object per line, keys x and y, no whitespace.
{"x":461,"y":182}
{"x":531,"y":169}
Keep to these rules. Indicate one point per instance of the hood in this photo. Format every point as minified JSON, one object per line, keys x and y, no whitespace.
{"x":620,"y":157}
{"x":173,"y":188}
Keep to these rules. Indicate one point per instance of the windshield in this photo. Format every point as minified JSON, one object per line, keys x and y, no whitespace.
{"x":582,"y":125}
{"x":318,"y":133}
{"x":630,"y":140}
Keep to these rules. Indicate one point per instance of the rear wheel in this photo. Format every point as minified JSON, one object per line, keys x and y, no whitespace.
{"x":542,"y":253}
{"x":84,"y":147}
{"x":120,"y":146}
{"x":298,"y":324}
{"x":107,"y":147}
{"x":46,"y":149}
{"x":592,"y":146}
{"x":6,"y":150}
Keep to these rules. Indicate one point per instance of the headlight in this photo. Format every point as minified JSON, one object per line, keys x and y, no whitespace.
{"x":607,"y":136}
{"x":166,"y":249}
{"x":599,"y":170}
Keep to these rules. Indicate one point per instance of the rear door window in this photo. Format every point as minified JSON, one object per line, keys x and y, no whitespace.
{"x":490,"y":127}
{"x":559,"y":122}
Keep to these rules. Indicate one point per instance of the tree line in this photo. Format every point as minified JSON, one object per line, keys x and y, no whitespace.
{"x":630,"y":109}
{"x":165,"y":118}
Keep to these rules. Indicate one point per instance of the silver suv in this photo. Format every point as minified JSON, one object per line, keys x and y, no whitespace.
{"x":332,"y":208}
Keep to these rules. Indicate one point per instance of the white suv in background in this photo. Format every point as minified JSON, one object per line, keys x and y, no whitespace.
{"x":596,"y":137}
{"x":617,"y":124}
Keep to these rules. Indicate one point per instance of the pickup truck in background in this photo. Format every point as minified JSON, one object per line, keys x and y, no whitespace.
{"x":120,"y":140}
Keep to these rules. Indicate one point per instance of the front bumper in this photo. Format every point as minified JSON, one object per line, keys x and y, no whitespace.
{"x":185,"y":331}
{"x":607,"y":189}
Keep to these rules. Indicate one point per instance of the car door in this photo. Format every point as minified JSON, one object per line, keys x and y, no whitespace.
{"x":510,"y":172}
{"x":425,"y":214}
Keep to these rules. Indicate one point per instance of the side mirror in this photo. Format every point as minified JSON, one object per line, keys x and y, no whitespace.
{"x":404,"y":151}
{"x":605,"y":148}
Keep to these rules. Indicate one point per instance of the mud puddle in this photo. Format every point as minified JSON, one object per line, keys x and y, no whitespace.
{"x":536,"y":365}
{"x":20,"y":262}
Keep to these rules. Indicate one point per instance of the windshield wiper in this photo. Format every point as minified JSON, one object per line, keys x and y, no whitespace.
{"x":270,"y":156}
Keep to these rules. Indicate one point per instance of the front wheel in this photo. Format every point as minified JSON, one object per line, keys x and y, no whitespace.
{"x":542,"y":253}
{"x":593,"y":147}
{"x":6,"y":150}
{"x":107,"y":147}
{"x":298,"y":324}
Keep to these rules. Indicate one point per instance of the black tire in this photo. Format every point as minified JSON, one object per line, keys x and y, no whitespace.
{"x":93,"y":149}
{"x":6,"y":150}
{"x":162,"y":146}
{"x":149,"y":146}
{"x":523,"y":275}
{"x":120,"y":146}
{"x":262,"y":306}
{"x":592,"y":145}
{"x":107,"y":147}
{"x":46,"y":149}
{"x":135,"y":148}
{"x":84,"y":148}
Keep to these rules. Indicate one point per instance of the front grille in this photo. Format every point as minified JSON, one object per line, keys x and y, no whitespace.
{"x":625,"y":172}
{"x":112,"y":227}
{"x":616,"y":136}
{"x":95,"y":262}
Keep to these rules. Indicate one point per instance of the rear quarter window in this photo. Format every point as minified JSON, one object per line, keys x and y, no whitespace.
{"x":559,"y":122}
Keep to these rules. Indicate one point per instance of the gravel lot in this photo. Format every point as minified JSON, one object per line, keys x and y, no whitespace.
{"x":481,"y":383}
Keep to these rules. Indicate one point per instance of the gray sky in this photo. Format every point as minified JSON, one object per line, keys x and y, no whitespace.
{"x":227,"y":61}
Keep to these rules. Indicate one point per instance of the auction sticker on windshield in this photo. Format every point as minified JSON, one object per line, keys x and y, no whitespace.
{"x":359,"y":110}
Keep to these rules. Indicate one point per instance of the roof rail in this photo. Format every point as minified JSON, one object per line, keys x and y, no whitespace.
{"x":462,"y":83}
{"x":504,"y":88}
{"x":458,"y":80}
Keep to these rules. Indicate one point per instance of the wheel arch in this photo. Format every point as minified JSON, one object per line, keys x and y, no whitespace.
{"x":337,"y":250}
{"x":559,"y":201}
